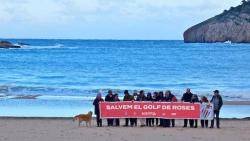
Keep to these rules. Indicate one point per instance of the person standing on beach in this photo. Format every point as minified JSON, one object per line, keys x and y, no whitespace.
{"x":195,"y":99}
{"x":96,"y":102}
{"x":187,"y":96}
{"x":149,"y":121}
{"x":110,"y":98}
{"x":117,"y":120}
{"x":141,"y":97}
{"x":134,"y":120}
{"x":169,"y":97}
{"x":217,"y":102}
{"x":127,"y":97}
{"x":156,"y":98}
{"x":204,"y":123}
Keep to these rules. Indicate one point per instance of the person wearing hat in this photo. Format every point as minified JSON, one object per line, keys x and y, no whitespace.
{"x":217,"y":102}
{"x":96,"y":102}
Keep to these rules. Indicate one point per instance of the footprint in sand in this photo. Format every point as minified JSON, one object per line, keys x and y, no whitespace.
{"x":123,"y":139}
{"x":196,"y":138}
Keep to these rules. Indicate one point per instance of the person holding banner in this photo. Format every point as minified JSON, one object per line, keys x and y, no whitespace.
{"x":110,"y":98}
{"x":117,"y":120}
{"x":169,"y":97}
{"x":204,"y":123}
{"x":156,"y":98}
{"x":187,"y":96}
{"x":149,"y":121}
{"x":217,"y":102}
{"x":141,"y":97}
{"x":134,"y":120}
{"x":96,"y":102}
{"x":128,"y":97}
{"x":195,"y":99}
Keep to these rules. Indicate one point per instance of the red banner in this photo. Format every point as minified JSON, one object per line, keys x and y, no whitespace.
{"x":176,"y":110}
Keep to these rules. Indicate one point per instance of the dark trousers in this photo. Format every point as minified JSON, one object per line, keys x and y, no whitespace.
{"x":165,"y":122}
{"x":127,"y":121}
{"x":149,"y":122}
{"x":173,"y":122}
{"x":156,"y":121}
{"x":191,"y":122}
{"x":117,"y":122}
{"x":133,"y":121}
{"x":98,"y":120}
{"x":217,"y":117}
{"x":195,"y":123}
{"x":110,"y":121}
{"x":161,"y":122}
{"x":204,"y":123}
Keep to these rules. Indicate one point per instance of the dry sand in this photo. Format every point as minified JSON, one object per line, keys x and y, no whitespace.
{"x":21,"y":129}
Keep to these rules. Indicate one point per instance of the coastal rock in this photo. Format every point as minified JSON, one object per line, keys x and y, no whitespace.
{"x":232,"y":25}
{"x":6,"y":44}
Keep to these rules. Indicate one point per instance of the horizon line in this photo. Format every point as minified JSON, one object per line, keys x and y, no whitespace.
{"x":91,"y":39}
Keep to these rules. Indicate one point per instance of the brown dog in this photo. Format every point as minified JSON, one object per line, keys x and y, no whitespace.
{"x":84,"y":117}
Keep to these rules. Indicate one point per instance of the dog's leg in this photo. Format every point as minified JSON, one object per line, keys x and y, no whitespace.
{"x":90,"y":123}
{"x":79,"y":123}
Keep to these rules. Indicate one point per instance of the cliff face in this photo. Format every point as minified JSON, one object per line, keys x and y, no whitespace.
{"x":232,"y":25}
{"x":6,"y":44}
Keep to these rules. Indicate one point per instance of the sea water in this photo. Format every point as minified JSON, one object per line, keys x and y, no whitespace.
{"x":65,"y":75}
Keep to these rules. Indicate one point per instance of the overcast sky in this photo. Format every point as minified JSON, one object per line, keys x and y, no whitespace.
{"x":105,"y":19}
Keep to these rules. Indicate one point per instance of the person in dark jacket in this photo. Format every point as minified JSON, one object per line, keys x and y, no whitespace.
{"x":195,"y":99}
{"x":96,"y":102}
{"x":156,"y":98}
{"x":116,"y":99}
{"x":133,"y":121}
{"x":161,"y":98}
{"x":110,"y":98}
{"x":127,"y":97}
{"x":217,"y":102}
{"x":165,"y":122}
{"x":171,"y":98}
{"x":149,"y":121}
{"x":204,"y":123}
{"x":187,"y":96}
{"x":141,"y":97}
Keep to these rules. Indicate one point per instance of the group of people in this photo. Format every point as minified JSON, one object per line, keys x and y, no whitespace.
{"x":159,"y":97}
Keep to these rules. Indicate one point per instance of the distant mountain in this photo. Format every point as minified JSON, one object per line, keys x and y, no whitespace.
{"x":232,"y":25}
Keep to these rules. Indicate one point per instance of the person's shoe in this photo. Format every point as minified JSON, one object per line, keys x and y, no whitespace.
{"x":211,"y":127}
{"x":125,"y":125}
{"x":184,"y":126}
{"x":218,"y":127}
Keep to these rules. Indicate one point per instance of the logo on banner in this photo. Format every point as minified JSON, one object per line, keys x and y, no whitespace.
{"x":207,"y":111}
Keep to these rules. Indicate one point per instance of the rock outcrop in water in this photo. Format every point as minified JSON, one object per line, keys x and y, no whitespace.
{"x":6,"y":44}
{"x":232,"y":25}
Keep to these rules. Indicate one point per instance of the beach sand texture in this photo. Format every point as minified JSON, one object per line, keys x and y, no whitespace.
{"x":21,"y":129}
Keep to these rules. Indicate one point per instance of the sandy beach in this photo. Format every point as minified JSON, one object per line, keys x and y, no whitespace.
{"x":59,"y":129}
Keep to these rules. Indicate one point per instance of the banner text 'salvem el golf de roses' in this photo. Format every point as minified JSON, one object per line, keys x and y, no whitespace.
{"x":176,"y":110}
